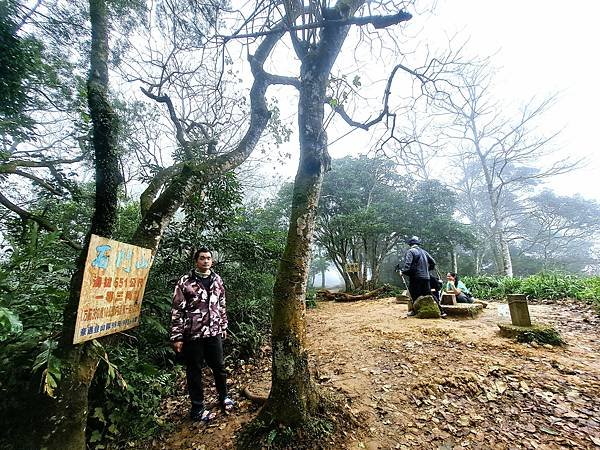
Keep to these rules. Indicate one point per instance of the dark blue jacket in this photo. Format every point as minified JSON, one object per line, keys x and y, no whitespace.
{"x":417,"y":263}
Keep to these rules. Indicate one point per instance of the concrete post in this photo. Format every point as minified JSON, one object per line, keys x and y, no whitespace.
{"x":519,"y":311}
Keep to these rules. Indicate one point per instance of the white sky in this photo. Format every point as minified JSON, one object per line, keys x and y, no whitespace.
{"x":541,"y":47}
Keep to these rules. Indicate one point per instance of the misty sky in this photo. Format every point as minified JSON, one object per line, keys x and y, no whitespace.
{"x":540,"y":49}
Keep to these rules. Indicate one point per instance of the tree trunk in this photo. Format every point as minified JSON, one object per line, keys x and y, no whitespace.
{"x":375,"y":273}
{"x":454,"y":259}
{"x":477,"y":262}
{"x":507,"y":269}
{"x":356,"y":280}
{"x":293,"y":395}
{"x":323,"y":279}
{"x":499,"y":244}
{"x":64,"y":418}
{"x":340,"y":268}
{"x":347,"y":281}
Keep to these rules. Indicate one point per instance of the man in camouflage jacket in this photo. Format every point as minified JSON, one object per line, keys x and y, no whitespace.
{"x":198,"y":327}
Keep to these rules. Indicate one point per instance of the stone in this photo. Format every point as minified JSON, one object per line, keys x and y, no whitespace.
{"x":425,"y":307}
{"x":448,"y":299}
{"x":403,"y":298}
{"x":539,"y":333}
{"x":469,"y":310}
{"x":480,"y":302}
{"x":519,"y":311}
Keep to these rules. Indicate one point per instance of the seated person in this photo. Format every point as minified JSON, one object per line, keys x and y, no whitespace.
{"x":458,"y":288}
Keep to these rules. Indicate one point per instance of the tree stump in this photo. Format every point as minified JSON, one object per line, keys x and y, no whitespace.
{"x":519,"y":311}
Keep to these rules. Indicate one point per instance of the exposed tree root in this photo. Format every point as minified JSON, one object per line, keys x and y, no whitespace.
{"x":325,"y":428}
{"x":260,"y":399}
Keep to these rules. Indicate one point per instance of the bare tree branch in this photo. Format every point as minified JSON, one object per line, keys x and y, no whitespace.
{"x":26,"y":215}
{"x":378,"y":22}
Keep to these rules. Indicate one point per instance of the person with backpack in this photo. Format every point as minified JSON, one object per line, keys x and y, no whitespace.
{"x":417,"y":265}
{"x":198,"y":328}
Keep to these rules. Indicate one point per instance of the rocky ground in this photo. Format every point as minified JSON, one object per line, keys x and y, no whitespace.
{"x":439,"y":384}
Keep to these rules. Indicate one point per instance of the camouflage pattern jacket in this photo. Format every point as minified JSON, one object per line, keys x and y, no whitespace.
{"x":196,"y":312}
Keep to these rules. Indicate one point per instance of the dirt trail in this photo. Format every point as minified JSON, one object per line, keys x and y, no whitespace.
{"x":440,"y":384}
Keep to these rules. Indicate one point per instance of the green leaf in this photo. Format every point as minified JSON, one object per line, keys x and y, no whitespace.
{"x":99,"y":414}
{"x":271,"y":436}
{"x":96,"y":436}
{"x":9,"y":323}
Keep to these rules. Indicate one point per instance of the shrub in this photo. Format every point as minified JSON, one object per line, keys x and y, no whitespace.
{"x":540,"y":286}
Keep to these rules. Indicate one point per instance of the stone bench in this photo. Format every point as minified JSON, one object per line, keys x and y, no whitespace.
{"x":463,"y":309}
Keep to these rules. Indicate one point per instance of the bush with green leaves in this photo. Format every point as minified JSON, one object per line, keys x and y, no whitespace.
{"x":138,"y":370}
{"x":126,"y":395}
{"x":32,"y":295}
{"x":541,"y":286}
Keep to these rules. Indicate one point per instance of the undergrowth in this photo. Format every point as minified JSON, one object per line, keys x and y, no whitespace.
{"x":542,"y":286}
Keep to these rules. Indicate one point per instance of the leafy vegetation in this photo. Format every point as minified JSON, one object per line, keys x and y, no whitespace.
{"x":139,"y":370}
{"x":541,"y":286}
{"x":168,"y":147}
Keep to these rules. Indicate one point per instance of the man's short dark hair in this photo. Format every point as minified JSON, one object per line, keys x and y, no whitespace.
{"x":201,"y":250}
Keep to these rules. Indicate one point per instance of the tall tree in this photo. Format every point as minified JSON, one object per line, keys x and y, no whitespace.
{"x":66,"y":413}
{"x":42,"y":121}
{"x":213,"y":127}
{"x":559,"y":231}
{"x":362,"y":218}
{"x":317,"y":32}
{"x":500,"y":157}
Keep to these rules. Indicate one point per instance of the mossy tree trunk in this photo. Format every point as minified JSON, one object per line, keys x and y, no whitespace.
{"x":293,"y":397}
{"x":64,"y":417}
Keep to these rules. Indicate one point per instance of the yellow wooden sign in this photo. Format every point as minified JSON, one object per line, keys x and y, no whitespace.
{"x":352,"y":268}
{"x":113,"y":286}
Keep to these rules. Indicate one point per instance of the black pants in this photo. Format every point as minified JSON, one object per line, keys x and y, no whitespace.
{"x":418,"y":287}
{"x":196,"y":353}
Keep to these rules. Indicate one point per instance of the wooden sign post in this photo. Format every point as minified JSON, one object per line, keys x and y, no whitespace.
{"x":113,"y":286}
